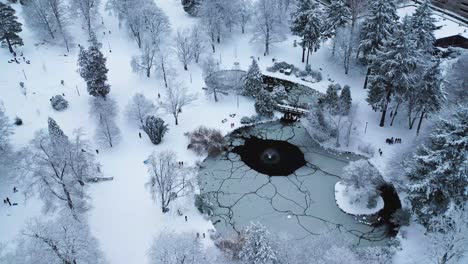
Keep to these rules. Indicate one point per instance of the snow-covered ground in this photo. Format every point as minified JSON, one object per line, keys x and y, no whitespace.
{"x":124,"y":218}
{"x":343,"y":200}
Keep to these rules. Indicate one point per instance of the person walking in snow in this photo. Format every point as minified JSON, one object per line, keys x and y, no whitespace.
{"x":186,"y":218}
{"x":8,"y":201}
{"x":139,"y":134}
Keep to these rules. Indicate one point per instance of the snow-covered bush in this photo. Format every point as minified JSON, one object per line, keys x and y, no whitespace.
{"x":279,"y":94}
{"x":155,"y":128}
{"x":316,"y":75}
{"x":277,"y":66}
{"x":401,"y":217}
{"x":362,"y":180}
{"x":18,"y":121}
{"x":264,"y":104}
{"x":258,"y":247}
{"x":59,"y":103}
{"x":206,"y":140}
{"x":203,"y":204}
{"x":318,"y":126}
{"x":367,"y":149}
{"x":249,"y":119}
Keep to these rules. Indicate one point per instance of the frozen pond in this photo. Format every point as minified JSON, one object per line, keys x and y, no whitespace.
{"x":301,"y":203}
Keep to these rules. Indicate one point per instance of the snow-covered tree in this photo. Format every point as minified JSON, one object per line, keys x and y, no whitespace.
{"x":337,"y":16}
{"x":177,"y":96}
{"x":438,"y":173}
{"x":197,"y":42}
{"x":378,"y":27}
{"x":139,"y":108}
{"x":88,"y":11}
{"x":425,"y":97}
{"x":423,"y":25}
{"x":258,"y":247}
{"x":177,"y":248}
{"x":62,"y":240}
{"x":362,"y":180}
{"x":457,"y":81}
{"x":211,"y":15}
{"x":318,"y":125}
{"x":183,"y":47}
{"x":264,"y":103}
{"x":47,"y":170}
{"x":253,"y":82}
{"x":10,"y":27}
{"x":92,"y":68}
{"x":58,"y":102}
{"x":279,"y":94}
{"x":155,"y":128}
{"x":345,"y":100}
{"x":204,"y":140}
{"x":330,"y":99}
{"x":245,"y":13}
{"x":209,"y":65}
{"x":6,"y":130}
{"x":168,"y":180}
{"x":49,"y":18}
{"x":448,"y":237}
{"x":306,"y":23}
{"x":268,"y":25}
{"x":104,"y":111}
{"x":145,"y":62}
{"x":392,"y":70}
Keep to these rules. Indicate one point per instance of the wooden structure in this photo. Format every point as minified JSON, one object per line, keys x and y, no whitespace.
{"x":452,"y":41}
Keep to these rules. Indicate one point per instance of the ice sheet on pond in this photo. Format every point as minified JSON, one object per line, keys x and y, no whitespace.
{"x":300,"y":204}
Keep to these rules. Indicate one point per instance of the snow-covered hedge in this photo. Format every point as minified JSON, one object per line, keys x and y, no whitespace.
{"x":59,"y":103}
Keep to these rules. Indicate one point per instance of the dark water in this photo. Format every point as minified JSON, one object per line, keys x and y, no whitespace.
{"x":271,"y":157}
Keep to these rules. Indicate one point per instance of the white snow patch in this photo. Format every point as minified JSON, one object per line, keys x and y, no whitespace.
{"x":342,"y":197}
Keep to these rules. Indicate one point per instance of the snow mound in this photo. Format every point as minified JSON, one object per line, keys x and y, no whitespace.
{"x":345,"y":204}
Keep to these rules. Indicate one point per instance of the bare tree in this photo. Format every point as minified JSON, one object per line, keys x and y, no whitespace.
{"x":168,"y":180}
{"x":105,"y":110}
{"x":268,"y":26}
{"x":163,"y":65}
{"x":62,"y":240}
{"x":145,"y":62}
{"x":139,"y":108}
{"x":197,"y":42}
{"x":245,"y":13}
{"x":6,"y":131}
{"x":175,"y":248}
{"x":177,"y":97}
{"x":46,"y":169}
{"x":88,"y":10}
{"x":212,"y":20}
{"x":49,"y":16}
{"x":448,"y":239}
{"x":183,"y":47}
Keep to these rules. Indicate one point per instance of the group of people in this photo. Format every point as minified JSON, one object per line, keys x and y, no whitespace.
{"x":17,"y":61}
{"x":225,"y":120}
{"x":392,"y":141}
{"x":7,"y":199}
{"x":290,"y":117}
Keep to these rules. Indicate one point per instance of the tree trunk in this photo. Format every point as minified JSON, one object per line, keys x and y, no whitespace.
{"x":420,"y":122}
{"x":9,"y":44}
{"x":384,"y":110}
{"x":164,"y":73}
{"x":215,"y":95}
{"x":394,"y":115}
{"x":308,"y":53}
{"x":333,"y":47}
{"x":367,"y":77}
{"x":303,"y":52}
{"x":267,"y":41}
{"x":185,"y":67}
{"x":148,"y":72}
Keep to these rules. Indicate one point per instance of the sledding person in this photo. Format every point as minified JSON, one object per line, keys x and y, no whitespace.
{"x":97,"y":151}
{"x":15,"y":189}
{"x":8,"y":201}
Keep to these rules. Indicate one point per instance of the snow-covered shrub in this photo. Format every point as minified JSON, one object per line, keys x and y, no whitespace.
{"x":155,"y":128}
{"x":318,"y":126}
{"x":367,"y":149}
{"x":316,"y":75}
{"x":279,"y":93}
{"x":361,"y":180}
{"x":247,"y":120}
{"x":18,"y":121}
{"x":258,"y":247}
{"x":264,"y":104}
{"x":203,"y":204}
{"x":206,"y":140}
{"x":59,"y":103}
{"x":277,"y":66}
{"x":401,"y":217}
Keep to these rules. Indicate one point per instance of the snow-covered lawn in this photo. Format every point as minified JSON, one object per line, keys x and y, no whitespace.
{"x":124,"y":218}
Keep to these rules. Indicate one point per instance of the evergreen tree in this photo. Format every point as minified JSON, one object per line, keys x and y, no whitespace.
{"x":377,"y":27}
{"x":257,"y":248}
{"x":10,"y":27}
{"x":55,"y":132}
{"x":423,"y":27}
{"x":330,"y":99}
{"x":93,"y":69}
{"x":155,"y":128}
{"x":305,"y":23}
{"x":392,"y":70}
{"x":264,"y":103}
{"x":438,"y":173}
{"x":338,"y":15}
{"x":345,"y":100}
{"x":313,"y":31}
{"x":253,"y":82}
